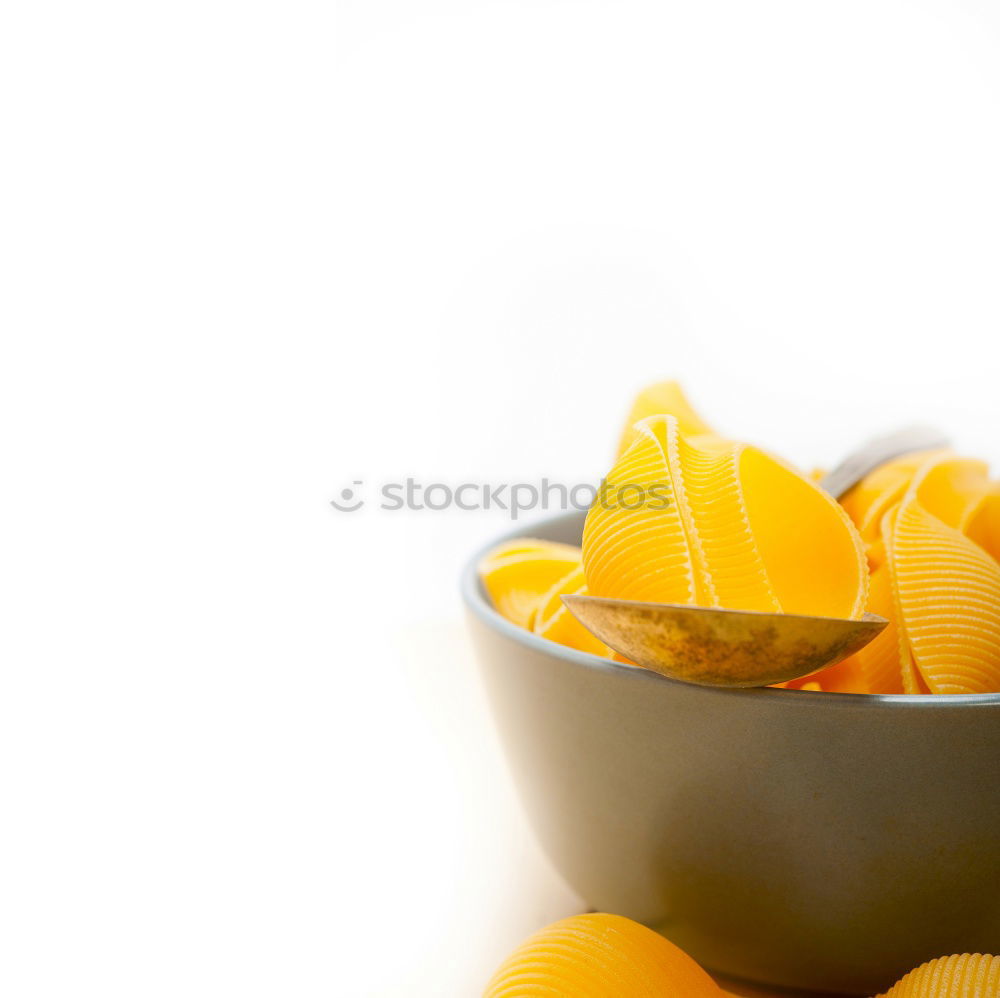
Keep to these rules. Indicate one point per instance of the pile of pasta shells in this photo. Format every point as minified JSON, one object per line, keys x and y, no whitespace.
{"x":916,"y":542}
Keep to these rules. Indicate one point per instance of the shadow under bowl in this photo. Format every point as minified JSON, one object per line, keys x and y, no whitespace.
{"x":821,"y":841}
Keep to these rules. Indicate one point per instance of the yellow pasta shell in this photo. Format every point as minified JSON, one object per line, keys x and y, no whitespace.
{"x":951,"y":488}
{"x":663,"y":398}
{"x":948,"y":592}
{"x":710,"y":522}
{"x":518,"y":574}
{"x":640,"y":551}
{"x":599,"y":956}
{"x":876,"y":668}
{"x":553,"y":621}
{"x":872,"y":497}
{"x":968,"y":975}
{"x":983,"y":523}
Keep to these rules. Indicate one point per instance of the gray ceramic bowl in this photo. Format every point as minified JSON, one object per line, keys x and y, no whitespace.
{"x":811,"y":840}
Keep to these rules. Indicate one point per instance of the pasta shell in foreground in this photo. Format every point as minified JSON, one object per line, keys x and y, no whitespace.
{"x":709,"y":522}
{"x":635,"y":542}
{"x":599,"y":956}
{"x":969,"y":975}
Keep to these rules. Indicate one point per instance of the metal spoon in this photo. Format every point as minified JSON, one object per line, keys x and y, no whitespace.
{"x":878,"y":451}
{"x":717,"y":647}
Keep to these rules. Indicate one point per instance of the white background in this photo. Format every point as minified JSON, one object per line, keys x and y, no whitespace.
{"x":255,"y":252}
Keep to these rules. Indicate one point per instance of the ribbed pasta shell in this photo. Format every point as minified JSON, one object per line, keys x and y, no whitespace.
{"x":663,"y":398}
{"x":937,"y":588}
{"x":913,"y":682}
{"x":983,"y":523}
{"x":951,"y":488}
{"x":730,"y":564}
{"x":518,"y":574}
{"x":641,"y":553}
{"x":737,"y":528}
{"x":599,"y":956}
{"x":873,"y":496}
{"x":948,"y":590}
{"x":876,"y":668}
{"x":969,"y":975}
{"x":553,"y":621}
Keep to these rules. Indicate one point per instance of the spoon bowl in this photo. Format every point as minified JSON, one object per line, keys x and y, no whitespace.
{"x":716,"y":647}
{"x":712,"y":646}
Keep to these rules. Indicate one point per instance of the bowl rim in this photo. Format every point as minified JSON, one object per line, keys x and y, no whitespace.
{"x":476,"y":600}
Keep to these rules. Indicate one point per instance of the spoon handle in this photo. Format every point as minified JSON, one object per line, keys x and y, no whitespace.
{"x":876,"y":452}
